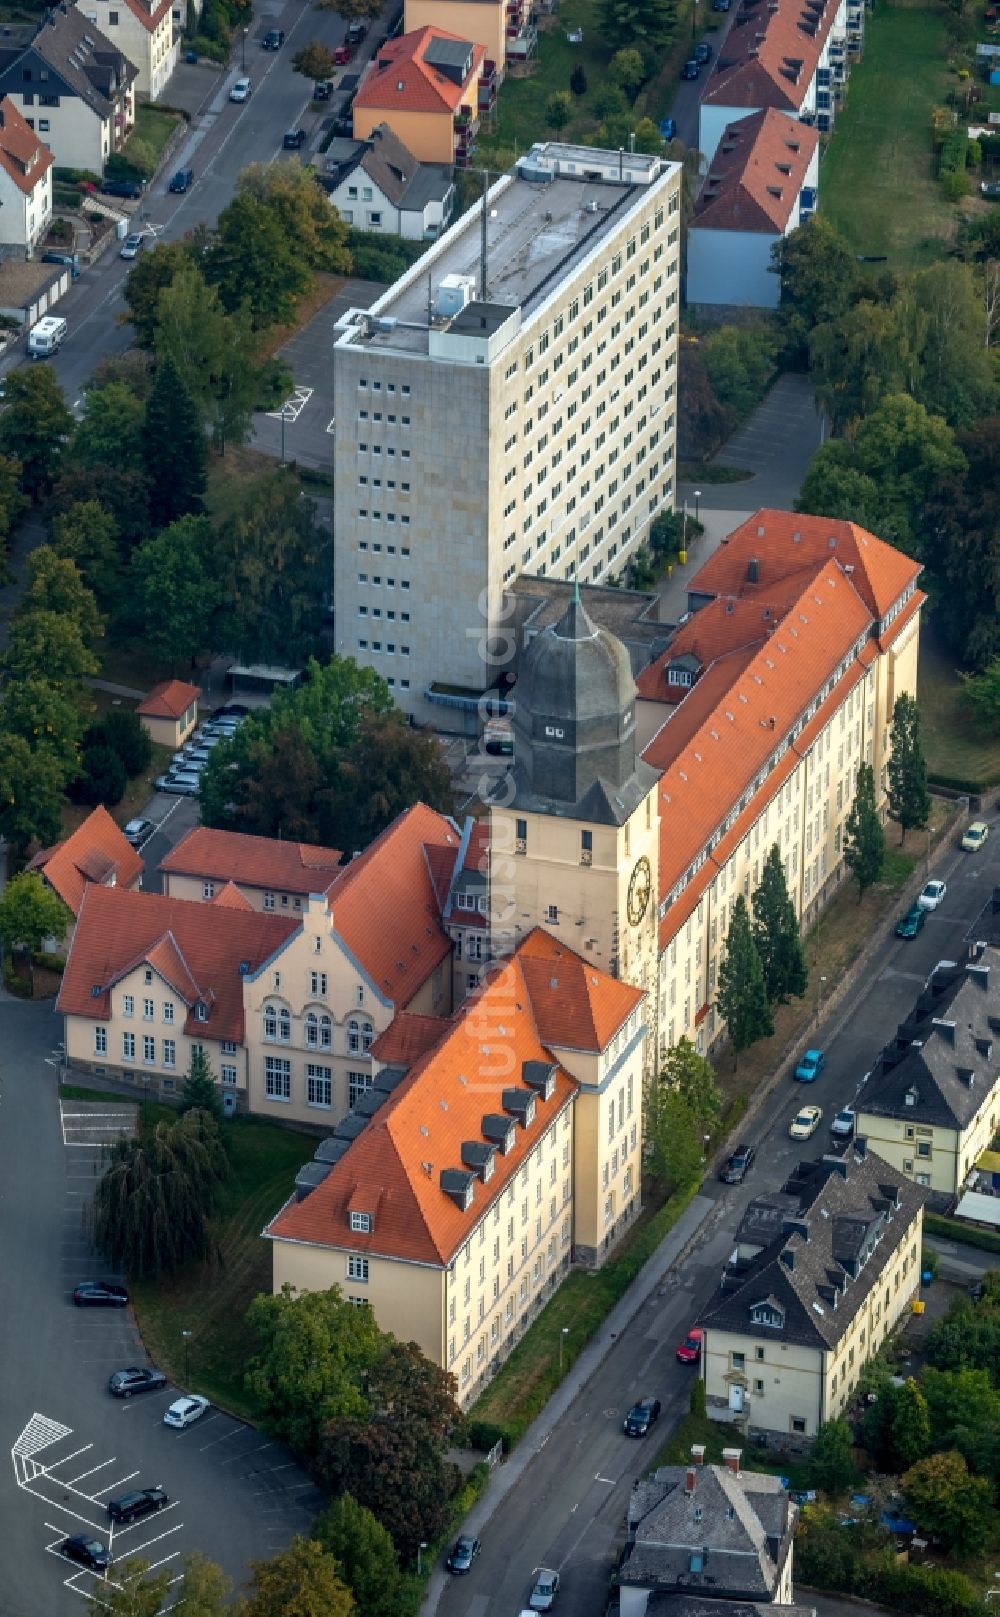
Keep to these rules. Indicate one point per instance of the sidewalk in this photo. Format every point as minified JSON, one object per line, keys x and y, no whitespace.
{"x":671,"y":1251}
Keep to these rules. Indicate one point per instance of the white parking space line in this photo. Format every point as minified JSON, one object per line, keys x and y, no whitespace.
{"x":140,"y":1549}
{"x":67,"y":1457}
{"x":235,"y":1457}
{"x":94,"y":1468}
{"x":113,"y":1485}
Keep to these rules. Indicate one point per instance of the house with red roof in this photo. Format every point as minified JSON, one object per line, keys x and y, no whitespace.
{"x":144,"y":31}
{"x":272,"y":874}
{"x":482,"y":1164}
{"x":25,"y":181}
{"x":170,"y":712}
{"x":761,"y":185}
{"x":95,"y":854}
{"x":425,"y":87}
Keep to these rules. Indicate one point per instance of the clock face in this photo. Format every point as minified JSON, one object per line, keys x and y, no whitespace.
{"x":639,"y":888}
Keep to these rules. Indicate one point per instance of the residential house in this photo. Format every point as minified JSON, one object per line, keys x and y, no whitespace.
{"x":170,"y":712}
{"x":74,"y":87}
{"x":425,"y":86}
{"x":793,"y":1324}
{"x":932,"y":1103}
{"x":788,"y":55}
{"x":272,"y":874}
{"x":455,"y":1208}
{"x":709,"y":1539}
{"x":761,"y":185}
{"x":377,"y":185}
{"x":25,"y":182}
{"x":485,"y":22}
{"x":96,"y":852}
{"x":144,"y":31}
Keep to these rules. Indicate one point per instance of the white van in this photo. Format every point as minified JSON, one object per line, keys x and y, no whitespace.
{"x":46,"y":338}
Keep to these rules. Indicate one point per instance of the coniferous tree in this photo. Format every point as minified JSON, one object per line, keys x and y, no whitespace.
{"x":742,"y":1000}
{"x":864,"y":838}
{"x":776,"y":934}
{"x":909,"y":800}
{"x":175,"y":448}
{"x":201,"y":1092}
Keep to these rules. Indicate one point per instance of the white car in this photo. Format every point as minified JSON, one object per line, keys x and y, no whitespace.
{"x":842,"y":1126}
{"x":185,"y":1411}
{"x":932,"y":895}
{"x":131,"y":246}
{"x":241,"y":90}
{"x":804,"y":1126}
{"x":136,"y":831}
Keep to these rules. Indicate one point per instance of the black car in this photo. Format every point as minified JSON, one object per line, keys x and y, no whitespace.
{"x":88,"y":1551}
{"x":182,"y":180}
{"x":128,"y":1507}
{"x":130,"y":189}
{"x":464,"y":1553}
{"x":691,"y":69}
{"x":232,"y":710}
{"x":736,"y":1168}
{"x":294,"y":138}
{"x":273,"y":39}
{"x":703,"y":52}
{"x":125,"y":1382}
{"x":641,"y":1417}
{"x":323,"y":90}
{"x":100,"y":1294}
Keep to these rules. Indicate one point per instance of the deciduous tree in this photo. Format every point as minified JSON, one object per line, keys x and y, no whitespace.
{"x":908,"y":798}
{"x":864,"y":837}
{"x":175,"y":450}
{"x":673,"y":1135}
{"x":628,"y":70}
{"x":313,"y":61}
{"x":55,"y":586}
{"x":153,"y":1201}
{"x":31,"y":913}
{"x":130,"y":1590}
{"x":301,"y":1581}
{"x":364,"y":1556}
{"x":204,"y":1591}
{"x":35,"y":427}
{"x":949,"y":1504}
{"x":389,"y":767}
{"x":274,"y":789}
{"x":85,"y":534}
{"x":32,"y":783}
{"x":742,"y":999}
{"x":981,"y":695}
{"x":832,"y":1466}
{"x":818,"y":276}
{"x":353,"y":10}
{"x":315,"y":1349}
{"x":692,"y":1076}
{"x":176,"y":590}
{"x":302,"y":209}
{"x":253,"y":264}
{"x":216,"y":356}
{"x":897,"y":1429}
{"x":110,"y":433}
{"x":151,"y":272}
{"x":45,"y":645}
{"x":559,"y":109}
{"x":962,"y":524}
{"x":274,"y":562}
{"x":45,"y":716}
{"x":12,"y":500}
{"x":776,"y":933}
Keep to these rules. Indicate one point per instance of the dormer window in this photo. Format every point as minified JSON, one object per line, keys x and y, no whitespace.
{"x":201,"y":1011}
{"x":767,"y":1314}
{"x":362,"y":1223}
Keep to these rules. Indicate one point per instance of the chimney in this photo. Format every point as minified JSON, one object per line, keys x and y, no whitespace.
{"x":788,"y":1257}
{"x":697,"y":1454}
{"x":860,"y":1148}
{"x":690,"y":1479}
{"x":731,"y":1460}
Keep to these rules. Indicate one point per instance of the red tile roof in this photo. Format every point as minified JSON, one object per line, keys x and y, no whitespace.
{"x":22,"y":154}
{"x":477,"y":855}
{"x":194,"y":947}
{"x":170,"y":700}
{"x":230,"y":898}
{"x":95,"y":852}
{"x":770,"y":54}
{"x":576,"y":1006}
{"x":232,"y":856}
{"x":407,"y":1038}
{"x":756,"y":175}
{"x":393,"y":1168}
{"x":150,"y":16}
{"x":401,"y":79}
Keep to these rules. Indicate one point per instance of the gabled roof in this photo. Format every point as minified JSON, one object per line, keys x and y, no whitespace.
{"x":233,"y":856}
{"x":737,"y":1525}
{"x":22,"y":155}
{"x":149,"y":16}
{"x":576,"y":1006}
{"x":756,"y":174}
{"x":230,"y":898}
{"x":169,"y":700}
{"x":201,"y":951}
{"x":403,"y":79}
{"x":770,"y":54}
{"x":391,"y":166}
{"x":78,"y":54}
{"x":96,"y":851}
{"x":394,"y":1168}
{"x":854,"y":1210}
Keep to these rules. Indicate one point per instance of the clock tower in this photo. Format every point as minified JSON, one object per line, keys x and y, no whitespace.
{"x":574,"y":827}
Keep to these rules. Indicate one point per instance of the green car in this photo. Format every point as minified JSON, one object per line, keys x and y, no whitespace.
{"x":910,"y":924}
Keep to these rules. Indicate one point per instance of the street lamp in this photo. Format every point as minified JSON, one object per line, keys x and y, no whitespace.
{"x":694,"y":20}
{"x":819,"y":993}
{"x":420,"y":1550}
{"x":697,"y":504}
{"x":562,"y":1343}
{"x":186,"y":1336}
{"x":243,"y":51}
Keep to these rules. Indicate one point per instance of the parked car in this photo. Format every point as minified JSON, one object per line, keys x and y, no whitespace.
{"x":689,"y":1351}
{"x":100,"y":1294}
{"x":273,"y":39}
{"x":131,"y":190}
{"x":736,"y":1167}
{"x":691,"y":69}
{"x":637,"y":1423}
{"x":910,"y":924}
{"x":932,"y":894}
{"x":342,"y":55}
{"x":703,"y":52}
{"x":323,"y":90}
{"x":186,"y":784}
{"x":543,"y":1595}
{"x":184,"y":1412}
{"x":463,"y":1554}
{"x":804,"y":1125}
{"x":668,"y":129}
{"x":182,"y":180}
{"x":242,"y":90}
{"x":62,"y":258}
{"x":136,"y":831}
{"x":294,"y":138}
{"x":132,"y":246}
{"x":842,"y":1126}
{"x":128,"y":1507}
{"x":123,"y":1383}
{"x":88,"y":1551}
{"x":810,"y":1067}
{"x":356,"y":32}
{"x":232,"y":710}
{"x":975,"y":835}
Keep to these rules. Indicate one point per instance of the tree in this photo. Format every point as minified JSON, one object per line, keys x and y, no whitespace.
{"x":628,"y":70}
{"x":253,"y":264}
{"x":956,"y":379}
{"x":981,"y":695}
{"x":578,"y":80}
{"x":908,"y":799}
{"x":949,"y":1504}
{"x":860,"y":357}
{"x":301,"y":1581}
{"x":353,"y":10}
{"x":35,"y":427}
{"x":313,"y":61}
{"x":364,"y":1556}
{"x":389,"y":767}
{"x":302,"y":209}
{"x":741,"y":364}
{"x":864,"y":838}
{"x":30,"y":914}
{"x":12,"y":501}
{"x":647,"y":23}
{"x":818,"y":275}
{"x":215,"y":356}
{"x":174,"y":447}
{"x":962,"y":524}
{"x":176,"y":590}
{"x":742,"y":998}
{"x":126,"y":734}
{"x":153,"y":1201}
{"x":151,"y":272}
{"x":130,"y":1591}
{"x":201,"y":1092}
{"x":32,"y":782}
{"x":896,"y":1428}
{"x":831,"y":1460}
{"x":963,"y":1406}
{"x":45,"y":645}
{"x":273,"y":561}
{"x":85,"y":534}
{"x":314,"y":1351}
{"x":111,"y":431}
{"x":204,"y":1591}
{"x":45,"y":716}
{"x":56,"y":586}
{"x":692,"y":1077}
{"x":559,"y":109}
{"x":673,"y":1135}
{"x":102,"y":777}
{"x":776,"y":934}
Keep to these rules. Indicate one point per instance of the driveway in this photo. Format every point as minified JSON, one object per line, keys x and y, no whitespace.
{"x":233,"y":1494}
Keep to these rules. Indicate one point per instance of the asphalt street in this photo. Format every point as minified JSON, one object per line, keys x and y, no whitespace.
{"x":568,"y":1509}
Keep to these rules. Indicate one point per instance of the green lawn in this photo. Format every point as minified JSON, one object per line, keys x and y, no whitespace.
{"x":153,"y":126}
{"x":877,"y":181}
{"x":956,"y":755}
{"x":210,"y":1299}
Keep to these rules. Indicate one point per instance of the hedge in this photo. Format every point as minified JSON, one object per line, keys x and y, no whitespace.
{"x":953,"y":1230}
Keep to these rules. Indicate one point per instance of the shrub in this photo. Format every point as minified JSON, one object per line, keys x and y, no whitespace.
{"x":484,"y":1435}
{"x":102,"y":777}
{"x":955,"y":185}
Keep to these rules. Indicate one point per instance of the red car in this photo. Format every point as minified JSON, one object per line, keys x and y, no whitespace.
{"x":342,"y":55}
{"x":689,"y":1351}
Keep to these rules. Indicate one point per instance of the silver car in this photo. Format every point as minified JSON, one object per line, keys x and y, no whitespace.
{"x":543,"y":1595}
{"x":180,"y":783}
